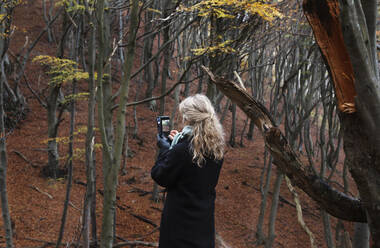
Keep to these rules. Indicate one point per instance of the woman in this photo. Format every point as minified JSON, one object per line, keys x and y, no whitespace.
{"x":189,"y":169}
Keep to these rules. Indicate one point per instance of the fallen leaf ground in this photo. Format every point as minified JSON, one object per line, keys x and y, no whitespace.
{"x":36,"y":202}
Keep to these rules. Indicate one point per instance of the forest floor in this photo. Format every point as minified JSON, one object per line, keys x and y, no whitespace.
{"x":36,"y":203}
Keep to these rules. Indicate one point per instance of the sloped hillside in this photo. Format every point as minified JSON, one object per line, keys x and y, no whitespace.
{"x":36,"y":202}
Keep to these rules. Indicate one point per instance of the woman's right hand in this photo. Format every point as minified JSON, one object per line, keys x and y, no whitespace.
{"x":163,"y":142}
{"x":172,"y":134}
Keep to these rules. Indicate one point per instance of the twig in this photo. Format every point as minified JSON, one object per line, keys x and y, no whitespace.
{"x":72,"y":205}
{"x":140,"y":243}
{"x":24,"y":158}
{"x":299,"y":212}
{"x":139,"y":217}
{"x":170,"y":90}
{"x":40,"y":240}
{"x":163,"y":47}
{"x":42,"y":192}
{"x":141,"y":192}
{"x":157,"y":209}
{"x":283,"y":200}
{"x":31,"y":47}
{"x":221,"y":243}
{"x":149,"y":233}
{"x":43,"y":104}
{"x":240,"y":81}
{"x":144,"y":219}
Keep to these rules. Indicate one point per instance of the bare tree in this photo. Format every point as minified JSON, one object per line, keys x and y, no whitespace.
{"x":112,"y":153}
{"x":6,"y":10}
{"x":89,"y":215}
{"x":357,"y":85}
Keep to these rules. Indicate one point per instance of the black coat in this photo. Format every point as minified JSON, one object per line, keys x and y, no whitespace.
{"x":188,"y":216}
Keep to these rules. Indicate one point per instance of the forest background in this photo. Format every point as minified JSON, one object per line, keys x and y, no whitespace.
{"x":82,"y":83}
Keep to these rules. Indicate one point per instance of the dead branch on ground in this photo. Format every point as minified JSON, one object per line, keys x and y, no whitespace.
{"x":25,"y":159}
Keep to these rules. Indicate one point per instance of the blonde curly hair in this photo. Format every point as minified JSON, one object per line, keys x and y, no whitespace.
{"x":208,"y":135}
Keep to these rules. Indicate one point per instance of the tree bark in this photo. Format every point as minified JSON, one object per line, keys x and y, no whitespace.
{"x":69,"y":170}
{"x":53,"y":122}
{"x":90,"y":140}
{"x":3,"y":168}
{"x":233,"y":126}
{"x":111,"y":170}
{"x":264,"y":188}
{"x":107,"y":223}
{"x":361,"y":236}
{"x":273,"y":210}
{"x":356,"y":25}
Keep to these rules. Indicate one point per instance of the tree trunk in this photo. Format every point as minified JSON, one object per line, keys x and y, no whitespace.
{"x":273,"y":211}
{"x":107,"y":223}
{"x":361,"y":236}
{"x":53,"y":122}
{"x":264,"y":189}
{"x":47,"y":19}
{"x":147,"y":54}
{"x":362,"y":161}
{"x":164,"y":73}
{"x":356,"y":32}
{"x":233,"y":126}
{"x":90,"y":140}
{"x":51,"y":169}
{"x":3,"y":167}
{"x":327,"y":229}
{"x":69,"y":169}
{"x":111,"y":170}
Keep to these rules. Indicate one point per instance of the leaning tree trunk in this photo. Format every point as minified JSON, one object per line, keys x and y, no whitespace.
{"x":334,"y":202}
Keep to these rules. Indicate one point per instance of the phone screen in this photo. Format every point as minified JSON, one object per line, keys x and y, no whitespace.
{"x":165,"y":125}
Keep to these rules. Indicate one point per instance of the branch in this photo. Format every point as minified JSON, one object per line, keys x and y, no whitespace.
{"x":161,"y":48}
{"x":299,"y":212}
{"x":25,"y":159}
{"x":31,"y":47}
{"x":170,"y":89}
{"x":334,"y":202}
{"x":144,"y":219}
{"x":43,"y":104}
{"x":40,"y":191}
{"x":135,"y":243}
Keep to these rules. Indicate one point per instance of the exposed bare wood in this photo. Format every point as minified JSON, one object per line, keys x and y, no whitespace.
{"x":323,"y":16}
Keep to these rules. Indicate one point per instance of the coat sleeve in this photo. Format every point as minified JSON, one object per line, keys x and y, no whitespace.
{"x":166,"y":170}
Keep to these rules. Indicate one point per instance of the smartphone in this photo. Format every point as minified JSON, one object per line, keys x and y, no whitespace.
{"x":163,"y":125}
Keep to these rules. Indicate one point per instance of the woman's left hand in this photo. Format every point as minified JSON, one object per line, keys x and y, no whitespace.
{"x":172,"y":134}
